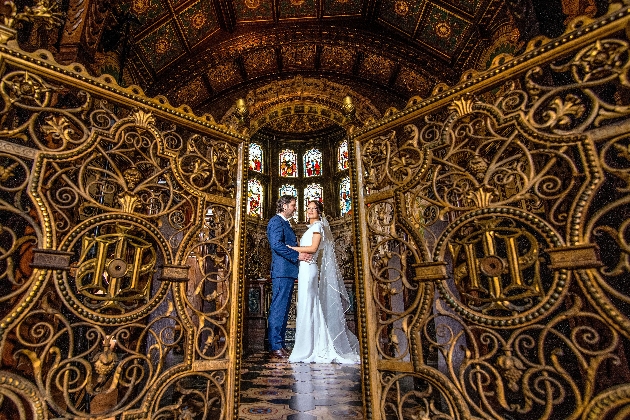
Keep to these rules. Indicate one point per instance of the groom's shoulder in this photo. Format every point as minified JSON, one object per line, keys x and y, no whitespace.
{"x":274,"y":220}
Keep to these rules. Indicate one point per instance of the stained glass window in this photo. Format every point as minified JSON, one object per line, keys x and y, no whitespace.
{"x":345,"y":202}
{"x":313,"y":192}
{"x":342,"y":156}
{"x":313,"y":163}
{"x":254,"y":197}
{"x":288,"y":189}
{"x":288,"y":163}
{"x":255,"y":157}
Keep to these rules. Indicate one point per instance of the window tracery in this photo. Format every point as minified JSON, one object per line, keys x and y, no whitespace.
{"x":254,"y":197}
{"x":256,"y":158}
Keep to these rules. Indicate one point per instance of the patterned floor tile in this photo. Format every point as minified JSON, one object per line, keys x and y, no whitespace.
{"x":263,"y":411}
{"x":299,"y":391}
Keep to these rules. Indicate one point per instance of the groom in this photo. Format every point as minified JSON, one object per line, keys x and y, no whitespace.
{"x":284,"y":272}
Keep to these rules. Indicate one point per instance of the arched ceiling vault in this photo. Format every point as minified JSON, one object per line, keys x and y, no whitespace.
{"x":304,"y":106}
{"x":208,"y":53}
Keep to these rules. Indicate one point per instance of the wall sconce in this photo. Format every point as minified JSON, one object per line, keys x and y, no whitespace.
{"x":242,"y":112}
{"x":347,"y":108}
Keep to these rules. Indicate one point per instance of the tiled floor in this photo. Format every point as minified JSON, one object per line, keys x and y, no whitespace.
{"x":299,"y":391}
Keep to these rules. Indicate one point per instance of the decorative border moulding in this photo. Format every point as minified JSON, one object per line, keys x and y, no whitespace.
{"x":51,"y":259}
{"x":430,"y":271}
{"x":174,"y":273}
{"x":574,"y":257}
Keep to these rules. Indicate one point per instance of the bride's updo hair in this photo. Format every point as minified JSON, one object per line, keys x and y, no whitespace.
{"x":320,"y":207}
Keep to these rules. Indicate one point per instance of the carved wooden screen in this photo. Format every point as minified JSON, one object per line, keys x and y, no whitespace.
{"x":119,"y":256}
{"x":494,"y":236}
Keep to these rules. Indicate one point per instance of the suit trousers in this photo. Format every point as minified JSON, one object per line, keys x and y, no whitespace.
{"x":281,"y":289}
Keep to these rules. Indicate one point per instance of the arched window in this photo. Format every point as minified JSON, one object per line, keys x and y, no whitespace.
{"x":288,"y":189}
{"x":312,"y":163}
{"x":342,"y":156}
{"x":345,"y":201}
{"x":254,"y":197}
{"x":255,"y":158}
{"x":288,"y":163}
{"x":313,"y":192}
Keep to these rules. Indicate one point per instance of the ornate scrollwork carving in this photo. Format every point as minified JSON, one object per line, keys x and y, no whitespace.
{"x":208,"y":296}
{"x":209,"y":165}
{"x":530,"y":371}
{"x":386,"y":162}
{"x":74,"y":361}
{"x":523,"y":185}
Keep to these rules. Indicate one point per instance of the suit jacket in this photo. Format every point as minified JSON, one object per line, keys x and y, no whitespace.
{"x":284,"y":261}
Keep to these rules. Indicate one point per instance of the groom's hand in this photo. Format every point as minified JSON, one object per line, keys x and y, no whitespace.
{"x":303,"y":256}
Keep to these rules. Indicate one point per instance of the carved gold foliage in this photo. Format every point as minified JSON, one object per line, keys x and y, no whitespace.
{"x":143,"y":119}
{"x":462,"y":106}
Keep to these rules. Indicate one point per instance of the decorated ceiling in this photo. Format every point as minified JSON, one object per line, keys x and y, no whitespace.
{"x":208,"y":53}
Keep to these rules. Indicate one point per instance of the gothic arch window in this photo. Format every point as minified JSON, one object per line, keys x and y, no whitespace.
{"x":288,"y":163}
{"x":312,"y":163}
{"x":345,"y":201}
{"x":256,"y":158}
{"x":289,"y":189}
{"x":254,"y":197}
{"x":313,"y":192}
{"x":342,"y":156}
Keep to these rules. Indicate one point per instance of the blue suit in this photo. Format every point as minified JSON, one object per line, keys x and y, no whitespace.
{"x":284,"y":271}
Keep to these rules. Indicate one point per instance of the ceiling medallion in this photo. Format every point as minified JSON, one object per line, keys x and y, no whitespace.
{"x":140,"y":6}
{"x":198,"y":20}
{"x":443,"y":30}
{"x":297,"y":2}
{"x":252,"y":4}
{"x":401,"y":8}
{"x":162,"y":45}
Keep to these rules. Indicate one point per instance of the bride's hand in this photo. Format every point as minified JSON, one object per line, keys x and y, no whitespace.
{"x":292,"y":247}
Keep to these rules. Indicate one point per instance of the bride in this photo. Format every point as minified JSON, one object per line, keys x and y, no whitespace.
{"x":321,"y":333}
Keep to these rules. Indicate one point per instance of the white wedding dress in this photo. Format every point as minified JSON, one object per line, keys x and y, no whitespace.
{"x":321,"y":332}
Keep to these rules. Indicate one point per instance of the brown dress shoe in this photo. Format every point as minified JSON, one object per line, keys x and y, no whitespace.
{"x":278,"y":354}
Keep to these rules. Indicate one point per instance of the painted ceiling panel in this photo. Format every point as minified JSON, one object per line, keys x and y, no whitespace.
{"x":401,"y":14}
{"x":377,"y":68}
{"x":148,"y":11}
{"x":339,"y":59}
{"x":342,"y":7}
{"x":442,"y":29}
{"x":468,"y":6}
{"x":253,"y":10}
{"x":191,"y":94}
{"x":260,"y":62}
{"x":298,"y":57}
{"x":400,"y":47}
{"x":161,"y":46}
{"x":293,"y":9}
{"x":414,"y":83}
{"x":224,"y":75}
{"x":198,"y":21}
